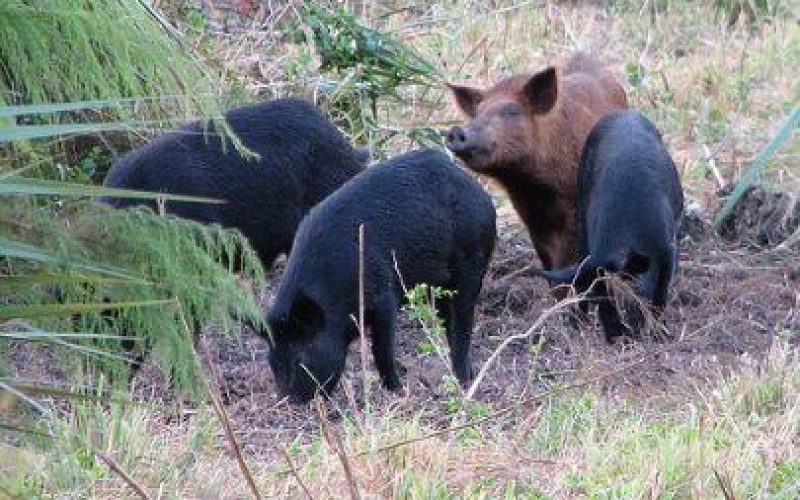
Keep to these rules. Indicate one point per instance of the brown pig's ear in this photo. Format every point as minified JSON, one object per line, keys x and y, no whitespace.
{"x":542,"y":90}
{"x":467,"y":98}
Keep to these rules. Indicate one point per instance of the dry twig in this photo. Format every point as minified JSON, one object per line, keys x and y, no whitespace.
{"x":520,"y":336}
{"x":724,"y":485}
{"x":296,"y":474}
{"x":335,"y":442}
{"x":219,"y":409}
{"x":225,"y":421}
{"x":361,"y":327}
{"x":114,"y":466}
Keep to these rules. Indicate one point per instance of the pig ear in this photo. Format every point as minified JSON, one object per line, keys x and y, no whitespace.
{"x":467,"y":98}
{"x":542,"y":90}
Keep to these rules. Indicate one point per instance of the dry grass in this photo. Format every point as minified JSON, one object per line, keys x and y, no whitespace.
{"x":717,"y":90}
{"x":744,"y":427}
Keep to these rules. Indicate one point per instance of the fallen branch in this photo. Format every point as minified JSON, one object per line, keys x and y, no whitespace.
{"x":296,"y":475}
{"x":114,"y":466}
{"x":335,"y":442}
{"x":643,"y":357}
{"x":219,"y":409}
{"x":523,"y":271}
{"x":520,"y":336}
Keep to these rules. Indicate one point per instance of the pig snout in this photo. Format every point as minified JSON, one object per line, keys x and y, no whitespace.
{"x":461,"y":141}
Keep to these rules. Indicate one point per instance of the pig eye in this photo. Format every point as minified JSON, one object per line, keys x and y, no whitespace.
{"x":512,"y":111}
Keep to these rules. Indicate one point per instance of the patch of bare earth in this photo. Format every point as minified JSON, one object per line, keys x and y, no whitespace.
{"x":730,"y":300}
{"x":727,"y":305}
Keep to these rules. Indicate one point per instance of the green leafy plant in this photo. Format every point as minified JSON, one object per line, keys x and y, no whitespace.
{"x":421,"y":306}
{"x":155,"y":272}
{"x":55,"y":51}
{"x":359,"y":66}
{"x":77,"y":76}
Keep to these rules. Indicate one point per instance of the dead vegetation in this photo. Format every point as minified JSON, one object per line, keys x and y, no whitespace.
{"x":728,"y":302}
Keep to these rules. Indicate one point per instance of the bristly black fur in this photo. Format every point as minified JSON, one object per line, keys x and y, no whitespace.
{"x":630,"y":203}
{"x":421,"y":213}
{"x":302,"y":158}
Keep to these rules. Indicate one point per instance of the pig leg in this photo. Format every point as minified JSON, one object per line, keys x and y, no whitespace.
{"x":607,"y":312}
{"x":467,"y":282}
{"x":667,"y":269}
{"x":653,"y":285}
{"x":610,"y":320}
{"x":574,"y":315}
{"x":382,"y":321}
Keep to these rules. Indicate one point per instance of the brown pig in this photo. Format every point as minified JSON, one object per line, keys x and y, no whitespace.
{"x":527,"y":132}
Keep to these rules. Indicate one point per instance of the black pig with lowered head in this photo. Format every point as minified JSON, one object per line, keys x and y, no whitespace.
{"x":423,"y":218}
{"x":630,"y":204}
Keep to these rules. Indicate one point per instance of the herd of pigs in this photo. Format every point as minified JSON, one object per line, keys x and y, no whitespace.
{"x":591,"y":180}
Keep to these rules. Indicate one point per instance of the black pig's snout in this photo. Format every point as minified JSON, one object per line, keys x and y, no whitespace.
{"x":456,"y":136}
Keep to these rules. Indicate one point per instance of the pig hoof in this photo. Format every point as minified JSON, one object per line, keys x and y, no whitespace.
{"x":392,"y":383}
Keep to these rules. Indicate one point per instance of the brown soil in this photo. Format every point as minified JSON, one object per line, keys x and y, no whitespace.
{"x":727,"y":306}
{"x":729,"y":302}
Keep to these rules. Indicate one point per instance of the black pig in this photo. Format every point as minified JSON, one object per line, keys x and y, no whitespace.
{"x":303,"y":158}
{"x":420,"y":213}
{"x":630,"y":203}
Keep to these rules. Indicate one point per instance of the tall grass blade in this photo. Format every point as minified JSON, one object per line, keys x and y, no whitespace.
{"x":27,"y":132}
{"x":21,"y":282}
{"x":43,"y":310}
{"x":12,"y":185}
{"x":70,"y":335}
{"x":11,"y":173}
{"x":24,"y":397}
{"x":61,"y":107}
{"x":16,"y":249}
{"x":52,"y":390}
{"x":753,"y":172}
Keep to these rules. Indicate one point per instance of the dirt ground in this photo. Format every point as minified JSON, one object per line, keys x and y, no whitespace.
{"x":729,"y":302}
{"x":731,"y":299}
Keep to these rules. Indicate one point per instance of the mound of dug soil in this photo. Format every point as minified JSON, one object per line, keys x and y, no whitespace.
{"x":763,"y":218}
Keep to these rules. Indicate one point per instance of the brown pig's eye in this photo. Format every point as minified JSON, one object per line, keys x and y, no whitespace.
{"x":512,"y":111}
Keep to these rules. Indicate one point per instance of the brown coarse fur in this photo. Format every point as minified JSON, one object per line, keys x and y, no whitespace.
{"x":535,"y":156}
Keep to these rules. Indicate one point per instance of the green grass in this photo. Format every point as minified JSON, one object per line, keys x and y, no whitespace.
{"x":744,"y":428}
{"x":129,"y":61}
